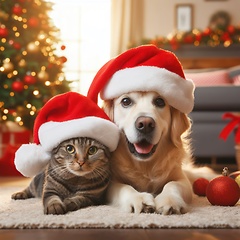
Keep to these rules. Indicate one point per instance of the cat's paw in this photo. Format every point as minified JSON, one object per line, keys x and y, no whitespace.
{"x":55,"y":207}
{"x":168,"y":205}
{"x":139,"y":203}
{"x":20,"y":195}
{"x":70,"y":205}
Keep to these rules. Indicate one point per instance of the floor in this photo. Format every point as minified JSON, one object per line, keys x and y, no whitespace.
{"x":116,"y":234}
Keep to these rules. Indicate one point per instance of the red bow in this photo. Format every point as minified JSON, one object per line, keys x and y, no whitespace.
{"x":235,"y":123}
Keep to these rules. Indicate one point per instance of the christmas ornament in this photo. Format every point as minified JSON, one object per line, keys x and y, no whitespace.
{"x":28,"y":41}
{"x":17,"y":9}
{"x":8,"y":66}
{"x":33,"y":22}
{"x":236,"y":177}
{"x":63,"y":59}
{"x":17,"y":86}
{"x":223,"y":190}
{"x":22,"y":63}
{"x":212,"y":37}
{"x":43,"y":75}
{"x":32,"y":47}
{"x":63,"y":47}
{"x":231,"y":29}
{"x":3,"y":31}
{"x":41,"y":36}
{"x":16,"y":45}
{"x":200,"y":186}
{"x":29,"y":79}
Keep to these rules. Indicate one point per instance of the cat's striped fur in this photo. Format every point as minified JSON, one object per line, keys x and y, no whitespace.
{"x":77,"y":176}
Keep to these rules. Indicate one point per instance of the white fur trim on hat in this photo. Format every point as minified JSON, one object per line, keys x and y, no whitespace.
{"x":176,"y":90}
{"x":53,"y":133}
{"x":30,"y":159}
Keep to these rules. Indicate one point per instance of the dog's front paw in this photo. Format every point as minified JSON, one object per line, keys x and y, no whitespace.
{"x":168,"y":205}
{"x":139,"y":203}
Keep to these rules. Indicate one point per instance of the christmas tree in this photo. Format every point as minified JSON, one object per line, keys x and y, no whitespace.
{"x":30,"y":71}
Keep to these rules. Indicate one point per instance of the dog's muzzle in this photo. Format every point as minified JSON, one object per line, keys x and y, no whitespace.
{"x":143,"y":148}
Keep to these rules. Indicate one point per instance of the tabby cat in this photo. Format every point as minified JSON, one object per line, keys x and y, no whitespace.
{"x":76,"y":177}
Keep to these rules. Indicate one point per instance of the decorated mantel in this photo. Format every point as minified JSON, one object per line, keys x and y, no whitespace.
{"x":218,"y":45}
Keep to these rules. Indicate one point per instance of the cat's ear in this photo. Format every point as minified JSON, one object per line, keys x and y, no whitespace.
{"x":31,"y":159}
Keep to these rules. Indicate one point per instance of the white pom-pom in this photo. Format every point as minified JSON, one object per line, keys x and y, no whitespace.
{"x":30,"y":159}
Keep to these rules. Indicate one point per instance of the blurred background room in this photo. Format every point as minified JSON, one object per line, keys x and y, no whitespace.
{"x":50,"y":47}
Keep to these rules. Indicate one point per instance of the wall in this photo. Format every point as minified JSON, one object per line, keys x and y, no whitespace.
{"x":159,"y":15}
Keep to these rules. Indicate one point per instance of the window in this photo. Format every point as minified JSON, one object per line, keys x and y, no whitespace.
{"x":85,"y":31}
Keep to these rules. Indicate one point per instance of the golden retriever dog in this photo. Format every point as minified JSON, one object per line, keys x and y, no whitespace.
{"x":146,"y":166}
{"x":148,"y":98}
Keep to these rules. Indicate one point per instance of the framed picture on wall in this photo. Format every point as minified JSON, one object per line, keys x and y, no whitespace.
{"x":184,"y":17}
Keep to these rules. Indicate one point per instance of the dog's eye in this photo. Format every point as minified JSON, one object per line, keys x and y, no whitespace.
{"x":159,"y":102}
{"x":126,"y":102}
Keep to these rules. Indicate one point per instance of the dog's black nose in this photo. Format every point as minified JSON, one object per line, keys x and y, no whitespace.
{"x":145,"y":124}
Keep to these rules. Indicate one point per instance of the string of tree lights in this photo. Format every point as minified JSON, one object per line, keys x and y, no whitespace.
{"x":30,"y":71}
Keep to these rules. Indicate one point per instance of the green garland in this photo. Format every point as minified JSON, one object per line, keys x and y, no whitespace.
{"x":208,"y":37}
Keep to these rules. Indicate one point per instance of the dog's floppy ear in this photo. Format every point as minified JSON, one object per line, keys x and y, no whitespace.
{"x":179,"y":127}
{"x":108,"y":108}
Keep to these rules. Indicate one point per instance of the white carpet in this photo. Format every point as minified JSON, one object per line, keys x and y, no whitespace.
{"x":29,"y":214}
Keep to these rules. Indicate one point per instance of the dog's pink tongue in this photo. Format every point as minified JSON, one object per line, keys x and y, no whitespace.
{"x":143,"y":148}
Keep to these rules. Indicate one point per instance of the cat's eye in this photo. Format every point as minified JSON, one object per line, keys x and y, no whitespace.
{"x":92,"y":150}
{"x":70,"y":149}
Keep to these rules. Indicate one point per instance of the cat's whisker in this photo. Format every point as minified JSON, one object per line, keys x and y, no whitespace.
{"x":101,"y":172}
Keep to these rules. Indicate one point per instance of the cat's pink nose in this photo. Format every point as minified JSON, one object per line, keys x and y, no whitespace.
{"x":81,"y":162}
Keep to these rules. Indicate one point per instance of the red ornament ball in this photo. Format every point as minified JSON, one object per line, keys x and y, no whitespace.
{"x":223,"y":191}
{"x":189,"y":39}
{"x":231,"y":29}
{"x":17,"y":86}
{"x":3,"y":32}
{"x":207,"y":31}
{"x":200,"y":186}
{"x":17,"y":9}
{"x":33,"y":22}
{"x":198,"y":37}
{"x":63,"y":47}
{"x":16,"y":45}
{"x":29,"y":79}
{"x":63,"y":59}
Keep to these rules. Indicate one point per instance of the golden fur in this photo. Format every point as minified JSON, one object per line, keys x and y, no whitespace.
{"x":155,"y":183}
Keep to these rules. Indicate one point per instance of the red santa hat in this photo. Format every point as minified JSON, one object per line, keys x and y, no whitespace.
{"x":145,"y":68}
{"x":63,"y":117}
